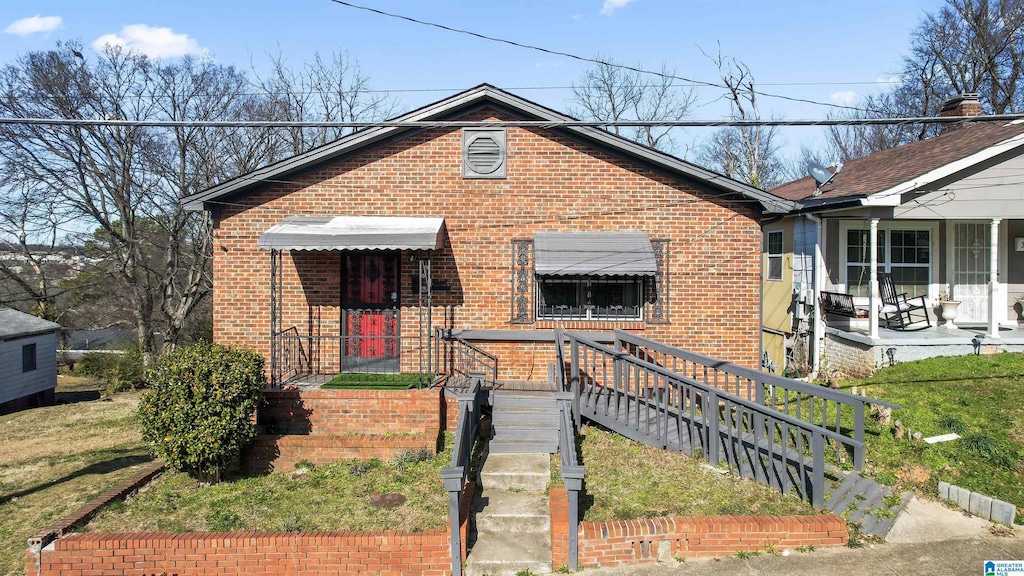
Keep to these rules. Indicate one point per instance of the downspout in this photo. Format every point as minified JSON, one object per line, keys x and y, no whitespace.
{"x":819,"y":268}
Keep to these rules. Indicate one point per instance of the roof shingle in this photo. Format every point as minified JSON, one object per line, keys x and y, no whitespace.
{"x":883,"y":170}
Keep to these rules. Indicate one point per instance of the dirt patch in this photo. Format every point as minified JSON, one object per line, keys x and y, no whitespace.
{"x":914,"y":473}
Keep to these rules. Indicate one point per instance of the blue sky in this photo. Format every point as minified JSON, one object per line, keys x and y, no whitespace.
{"x":783,"y":42}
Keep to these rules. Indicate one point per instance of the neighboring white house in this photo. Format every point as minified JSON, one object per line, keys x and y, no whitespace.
{"x":941,"y":220}
{"x":28,"y":360}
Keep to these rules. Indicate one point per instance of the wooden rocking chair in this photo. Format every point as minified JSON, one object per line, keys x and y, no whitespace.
{"x":901,"y":312}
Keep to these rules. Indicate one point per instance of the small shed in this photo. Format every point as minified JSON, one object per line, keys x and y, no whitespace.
{"x":28,"y":360}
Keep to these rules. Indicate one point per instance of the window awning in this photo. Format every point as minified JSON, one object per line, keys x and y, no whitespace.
{"x":354,"y":233}
{"x":593,"y":254}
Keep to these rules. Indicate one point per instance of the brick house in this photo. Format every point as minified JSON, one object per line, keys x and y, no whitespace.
{"x":350,"y":257}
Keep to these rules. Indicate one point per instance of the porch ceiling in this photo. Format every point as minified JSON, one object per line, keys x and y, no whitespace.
{"x":354,"y":233}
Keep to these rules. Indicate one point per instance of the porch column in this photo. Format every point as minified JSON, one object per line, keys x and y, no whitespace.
{"x":993,"y":281}
{"x":873,"y":294}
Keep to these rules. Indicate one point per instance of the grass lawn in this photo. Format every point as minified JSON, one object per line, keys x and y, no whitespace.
{"x":54,"y":459}
{"x":981,"y":398}
{"x":625,"y":479}
{"x":331,"y":497}
{"x":362,"y":381}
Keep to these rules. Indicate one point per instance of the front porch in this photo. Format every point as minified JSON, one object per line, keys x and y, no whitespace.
{"x":855,"y":352}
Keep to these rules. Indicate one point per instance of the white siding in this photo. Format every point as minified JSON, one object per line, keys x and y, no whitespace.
{"x":805,"y":235}
{"x":14,"y":383}
{"x":995,"y":192}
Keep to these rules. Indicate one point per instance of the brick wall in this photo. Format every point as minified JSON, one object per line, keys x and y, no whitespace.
{"x":850,"y":359}
{"x":383,"y":552}
{"x":553,"y":184}
{"x":281,"y":553}
{"x":323,"y":426}
{"x":624,"y":542}
{"x":337,"y":412}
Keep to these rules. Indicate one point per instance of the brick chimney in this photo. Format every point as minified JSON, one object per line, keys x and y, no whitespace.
{"x":967,"y":104}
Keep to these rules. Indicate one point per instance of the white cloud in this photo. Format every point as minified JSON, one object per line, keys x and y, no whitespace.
{"x":151,"y":41}
{"x":613,"y":5}
{"x":844,"y":98}
{"x":577,"y":17}
{"x":889,"y":79}
{"x":35,"y":25}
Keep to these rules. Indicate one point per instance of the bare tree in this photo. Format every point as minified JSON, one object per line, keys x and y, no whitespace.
{"x":966,"y":46}
{"x":608,"y":92}
{"x":751,"y":154}
{"x":331,"y":89}
{"x":96,"y":174}
{"x":31,"y":259}
{"x":120,"y":186}
{"x":970,"y":46}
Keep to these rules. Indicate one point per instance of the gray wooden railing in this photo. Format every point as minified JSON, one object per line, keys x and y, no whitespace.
{"x":813,"y":404}
{"x":459,"y":358}
{"x":653,"y":404}
{"x":455,"y":476}
{"x":571,"y":468}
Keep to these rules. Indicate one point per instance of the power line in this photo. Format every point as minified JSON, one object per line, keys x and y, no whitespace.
{"x":7,"y":120}
{"x":455,"y":90}
{"x":589,"y":60}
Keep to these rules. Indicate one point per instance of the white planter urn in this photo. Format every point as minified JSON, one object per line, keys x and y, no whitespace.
{"x":949,"y":313}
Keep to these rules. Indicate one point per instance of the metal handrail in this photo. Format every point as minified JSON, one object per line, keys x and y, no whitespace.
{"x":746,"y":423}
{"x":766,"y":389}
{"x":298,"y":354}
{"x":460,"y":357}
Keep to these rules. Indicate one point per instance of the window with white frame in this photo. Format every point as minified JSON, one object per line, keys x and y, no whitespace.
{"x":590,"y":298}
{"x":906,"y":254}
{"x":774,"y":244}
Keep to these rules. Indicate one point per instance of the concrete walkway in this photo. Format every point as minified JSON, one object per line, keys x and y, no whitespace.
{"x":928,"y":538}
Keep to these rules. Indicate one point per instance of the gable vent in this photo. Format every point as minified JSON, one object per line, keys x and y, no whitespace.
{"x":483,"y":153}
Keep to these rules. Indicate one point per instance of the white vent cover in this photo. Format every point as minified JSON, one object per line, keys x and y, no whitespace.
{"x":483,"y":153}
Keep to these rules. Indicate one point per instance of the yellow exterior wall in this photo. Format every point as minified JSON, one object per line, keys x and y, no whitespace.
{"x":777,"y":295}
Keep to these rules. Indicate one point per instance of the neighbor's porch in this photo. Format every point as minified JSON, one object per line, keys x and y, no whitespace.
{"x":973,"y":263}
{"x":961,"y":277}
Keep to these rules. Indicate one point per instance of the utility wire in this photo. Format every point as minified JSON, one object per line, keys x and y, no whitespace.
{"x":589,"y":60}
{"x":272,"y":93}
{"x":507,"y":123}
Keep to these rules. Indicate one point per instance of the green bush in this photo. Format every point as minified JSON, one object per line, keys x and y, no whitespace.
{"x":198,"y":413}
{"x":123,"y":370}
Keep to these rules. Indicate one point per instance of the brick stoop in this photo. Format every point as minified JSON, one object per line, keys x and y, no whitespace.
{"x":269,"y":453}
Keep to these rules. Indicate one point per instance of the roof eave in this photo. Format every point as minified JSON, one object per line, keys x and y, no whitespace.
{"x":893,"y":196}
{"x":769,"y":202}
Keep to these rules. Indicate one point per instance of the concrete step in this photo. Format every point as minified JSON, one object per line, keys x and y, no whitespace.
{"x":509,"y":554}
{"x":513,"y":446}
{"x":499,"y":512}
{"x":516,"y":470}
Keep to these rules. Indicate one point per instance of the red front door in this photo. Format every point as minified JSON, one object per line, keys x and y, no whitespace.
{"x":371,"y":304}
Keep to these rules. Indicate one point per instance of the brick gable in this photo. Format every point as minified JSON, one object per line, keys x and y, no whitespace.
{"x":554,"y":183}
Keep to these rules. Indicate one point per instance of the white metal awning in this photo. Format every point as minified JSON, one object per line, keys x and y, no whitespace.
{"x":594,"y":254}
{"x":354,"y":233}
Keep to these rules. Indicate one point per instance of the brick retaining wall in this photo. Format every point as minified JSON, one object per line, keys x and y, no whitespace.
{"x":53,"y":552}
{"x":323,"y":426}
{"x":624,"y":542}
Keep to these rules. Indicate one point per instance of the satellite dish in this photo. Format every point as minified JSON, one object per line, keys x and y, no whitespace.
{"x":820,"y":174}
